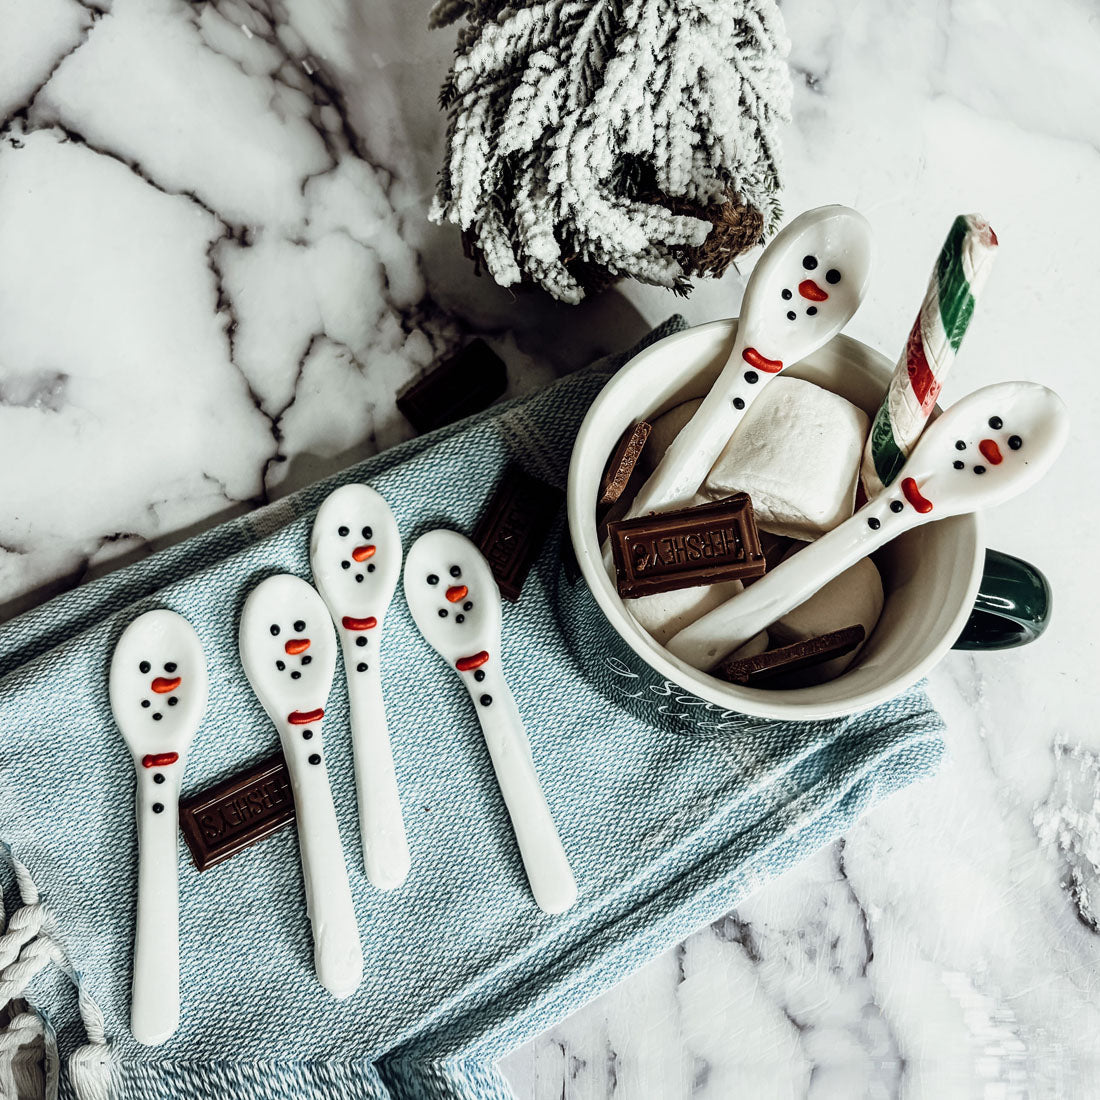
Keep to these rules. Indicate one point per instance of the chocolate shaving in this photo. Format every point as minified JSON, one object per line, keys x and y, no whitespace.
{"x":812,"y":651}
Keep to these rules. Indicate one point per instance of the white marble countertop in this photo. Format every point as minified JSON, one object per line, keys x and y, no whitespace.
{"x":216,"y":272}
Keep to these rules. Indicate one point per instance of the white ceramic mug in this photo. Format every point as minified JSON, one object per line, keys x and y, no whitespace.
{"x":931,"y":576}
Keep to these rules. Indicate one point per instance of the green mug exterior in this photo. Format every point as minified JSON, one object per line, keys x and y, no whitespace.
{"x":1012,"y":607}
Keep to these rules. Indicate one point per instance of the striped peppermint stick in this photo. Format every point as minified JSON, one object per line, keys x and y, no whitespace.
{"x":960,"y":273}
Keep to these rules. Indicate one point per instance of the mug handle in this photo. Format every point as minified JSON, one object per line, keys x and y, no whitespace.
{"x":1012,"y":607}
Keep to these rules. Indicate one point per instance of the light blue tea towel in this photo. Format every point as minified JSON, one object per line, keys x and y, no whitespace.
{"x":666,"y":828}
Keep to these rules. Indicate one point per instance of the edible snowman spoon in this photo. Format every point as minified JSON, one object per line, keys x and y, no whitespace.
{"x":288,"y":650}
{"x":456,"y":604}
{"x":158,"y":691}
{"x":804,"y":289}
{"x":355,"y":552}
{"x":984,"y":450}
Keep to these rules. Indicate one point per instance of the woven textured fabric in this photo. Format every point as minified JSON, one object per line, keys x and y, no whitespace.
{"x":666,"y":829}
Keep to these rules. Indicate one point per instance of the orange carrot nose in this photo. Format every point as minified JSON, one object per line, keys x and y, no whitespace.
{"x":296,"y":646}
{"x":991,"y":452}
{"x":809,"y":289}
{"x":361,"y":553}
{"x":162,"y":685}
{"x":457,"y":592}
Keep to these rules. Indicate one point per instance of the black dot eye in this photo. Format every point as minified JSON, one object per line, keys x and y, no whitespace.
{"x":960,"y":445}
{"x":299,"y":626}
{"x":1015,"y":442}
{"x":274,"y":629}
{"x":433,"y":579}
{"x":979,"y":469}
{"x":343,"y":532}
{"x":144,"y":667}
{"x":345,"y":565}
{"x":959,"y":464}
{"x":442,"y":612}
{"x":809,"y":262}
{"x":280,"y":665}
{"x":170,"y":666}
{"x":368,"y":533}
{"x":811,"y":311}
{"x":874,"y":523}
{"x":832,"y":275}
{"x":786,"y":295}
{"x":172,"y":700}
{"x":467,"y":605}
{"x":455,"y":571}
{"x":791,"y":315}
{"x":896,"y":506}
{"x":307,"y":659}
{"x":146,"y":703}
{"x":996,"y":423}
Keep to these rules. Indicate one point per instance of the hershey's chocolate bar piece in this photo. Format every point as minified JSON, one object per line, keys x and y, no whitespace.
{"x":621,"y":464}
{"x":812,"y":651}
{"x":238,"y":812}
{"x":774,"y":548}
{"x":689,"y":547}
{"x":460,"y":386}
{"x":514,"y":526}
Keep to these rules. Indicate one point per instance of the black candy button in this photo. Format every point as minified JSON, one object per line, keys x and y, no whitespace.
{"x":158,"y":778}
{"x":315,"y":758}
{"x":738,"y":402}
{"x":1015,"y":442}
{"x":874,"y":523}
{"x":486,"y":700}
{"x":479,"y":674}
{"x":896,"y":506}
{"x":752,"y":377}
{"x":158,"y":807}
{"x":307,"y":735}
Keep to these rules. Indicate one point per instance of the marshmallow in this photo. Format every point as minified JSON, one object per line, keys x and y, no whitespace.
{"x":666,"y":428}
{"x":853,"y":598}
{"x":666,"y":613}
{"x":796,"y":453}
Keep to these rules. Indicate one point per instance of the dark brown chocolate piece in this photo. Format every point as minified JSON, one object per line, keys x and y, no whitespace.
{"x":812,"y":651}
{"x":460,"y":386}
{"x":514,"y":526}
{"x":238,"y":812}
{"x":621,"y":464}
{"x":774,"y":548}
{"x":689,"y":547}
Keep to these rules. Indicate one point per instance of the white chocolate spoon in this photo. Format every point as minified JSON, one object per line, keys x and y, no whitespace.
{"x":288,"y":650}
{"x":984,"y":450}
{"x":158,"y":696}
{"x":355,"y":552}
{"x":455,"y":602}
{"x":804,"y":289}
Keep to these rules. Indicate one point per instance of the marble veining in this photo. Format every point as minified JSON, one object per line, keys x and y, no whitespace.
{"x":216,"y":272}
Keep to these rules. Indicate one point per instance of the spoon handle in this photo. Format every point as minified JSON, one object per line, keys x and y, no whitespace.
{"x":155,"y":1005}
{"x":718,"y":633}
{"x":697,"y":445}
{"x":544,"y":859}
{"x":381,"y":826}
{"x":337,"y":955}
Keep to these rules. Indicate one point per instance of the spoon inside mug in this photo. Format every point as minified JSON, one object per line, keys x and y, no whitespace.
{"x":355,"y":552}
{"x":288,"y":650}
{"x":455,"y":603}
{"x":984,"y":450}
{"x":158,"y":690}
{"x":804,"y":289}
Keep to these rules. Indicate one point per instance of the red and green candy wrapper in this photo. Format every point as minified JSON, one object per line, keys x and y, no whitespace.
{"x":957,"y":280}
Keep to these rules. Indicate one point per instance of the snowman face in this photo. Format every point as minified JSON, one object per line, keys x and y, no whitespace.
{"x":986,"y":448}
{"x":806,"y":287}
{"x":355,"y":551}
{"x":288,"y":650}
{"x":455,"y":600}
{"x":158,"y":688}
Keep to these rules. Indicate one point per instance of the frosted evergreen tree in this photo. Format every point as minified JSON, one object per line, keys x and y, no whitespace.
{"x":592,"y":139}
